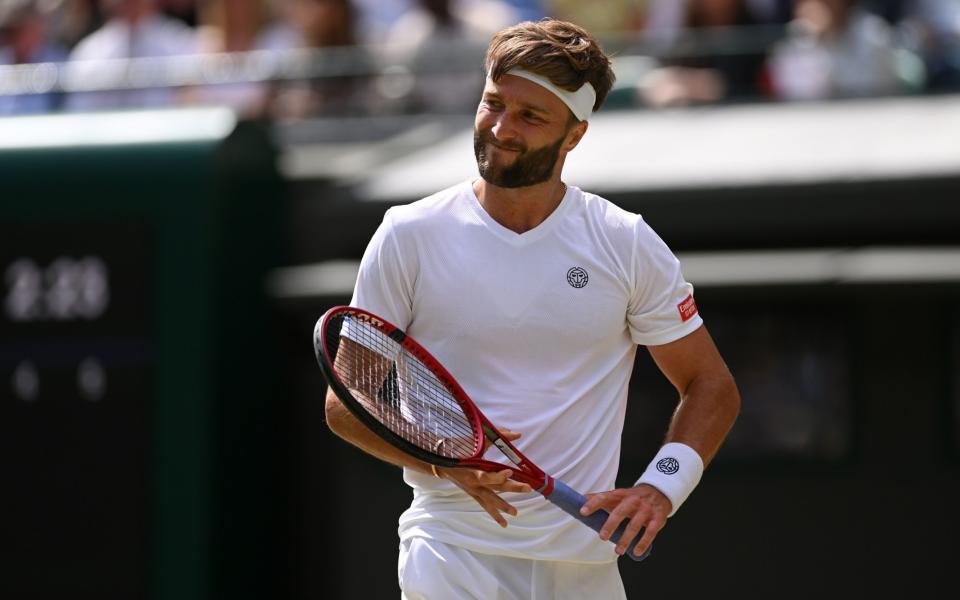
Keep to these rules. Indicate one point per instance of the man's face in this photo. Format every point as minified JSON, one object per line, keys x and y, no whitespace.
{"x":520,"y":133}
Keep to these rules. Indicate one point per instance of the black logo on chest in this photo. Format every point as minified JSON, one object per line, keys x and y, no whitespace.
{"x":577,"y":277}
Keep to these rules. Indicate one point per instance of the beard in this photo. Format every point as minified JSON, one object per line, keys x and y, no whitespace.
{"x":529,"y":168}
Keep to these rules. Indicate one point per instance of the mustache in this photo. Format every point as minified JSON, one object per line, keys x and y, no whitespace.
{"x":486,"y":137}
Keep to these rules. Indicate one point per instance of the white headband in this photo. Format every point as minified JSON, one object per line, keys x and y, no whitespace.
{"x":580,"y":102}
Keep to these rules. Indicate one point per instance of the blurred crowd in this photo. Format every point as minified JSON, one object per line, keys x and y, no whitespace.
{"x":425,"y":55}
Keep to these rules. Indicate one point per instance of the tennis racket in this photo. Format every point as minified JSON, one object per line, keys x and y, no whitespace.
{"x":404,"y":395}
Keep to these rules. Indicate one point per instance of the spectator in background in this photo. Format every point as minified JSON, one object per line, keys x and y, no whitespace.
{"x":24,"y":39}
{"x":775,"y":12}
{"x":319,"y":23}
{"x":375,"y":17}
{"x":440,"y":42}
{"x":445,"y":20}
{"x":528,"y":10}
{"x":134,"y":29}
{"x":344,"y":87}
{"x":182,"y":10}
{"x":69,"y":21}
{"x":607,"y":20}
{"x":931,"y":30}
{"x":837,"y":49}
{"x":238,"y":26}
{"x":722,"y":63}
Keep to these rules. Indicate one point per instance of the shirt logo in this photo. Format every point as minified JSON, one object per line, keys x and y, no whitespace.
{"x":577,"y":277}
{"x":668,"y":466}
{"x":687,"y":308}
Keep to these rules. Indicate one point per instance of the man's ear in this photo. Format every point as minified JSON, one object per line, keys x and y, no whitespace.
{"x":575,"y":134}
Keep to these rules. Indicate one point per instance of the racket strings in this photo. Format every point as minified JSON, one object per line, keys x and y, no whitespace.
{"x":400,"y":391}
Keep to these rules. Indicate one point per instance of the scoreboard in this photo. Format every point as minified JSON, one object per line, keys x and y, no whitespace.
{"x":77,"y":390}
{"x":130,"y":245}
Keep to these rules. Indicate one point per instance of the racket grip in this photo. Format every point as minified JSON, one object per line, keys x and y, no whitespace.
{"x":571,"y":501}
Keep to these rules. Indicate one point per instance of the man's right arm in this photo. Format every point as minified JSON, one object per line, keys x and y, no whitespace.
{"x":343,"y":423}
{"x":483,"y":486}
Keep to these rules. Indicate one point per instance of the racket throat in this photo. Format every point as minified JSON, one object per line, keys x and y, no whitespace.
{"x":524,"y":473}
{"x":508,"y":451}
{"x":547,"y":488}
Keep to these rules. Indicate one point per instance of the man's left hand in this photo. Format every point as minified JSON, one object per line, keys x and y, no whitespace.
{"x":645,"y":507}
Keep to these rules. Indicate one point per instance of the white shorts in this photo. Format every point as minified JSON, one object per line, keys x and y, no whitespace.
{"x":432,"y":570}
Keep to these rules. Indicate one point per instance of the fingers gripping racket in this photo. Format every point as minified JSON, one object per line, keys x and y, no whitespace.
{"x":402,"y":393}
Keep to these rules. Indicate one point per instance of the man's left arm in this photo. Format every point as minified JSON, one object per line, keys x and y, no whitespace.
{"x":709,"y":404}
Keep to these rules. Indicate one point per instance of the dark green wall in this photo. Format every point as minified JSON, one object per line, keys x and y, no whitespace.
{"x":209,"y":211}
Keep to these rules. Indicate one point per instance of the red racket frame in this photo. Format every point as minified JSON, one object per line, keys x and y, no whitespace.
{"x":525,"y":470}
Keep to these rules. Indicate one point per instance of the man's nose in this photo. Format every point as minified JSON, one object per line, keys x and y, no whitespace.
{"x":504,"y":129}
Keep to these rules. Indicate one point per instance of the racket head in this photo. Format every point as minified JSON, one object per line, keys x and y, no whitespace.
{"x":397,"y":388}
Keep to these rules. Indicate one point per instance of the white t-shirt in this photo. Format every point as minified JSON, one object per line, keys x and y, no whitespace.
{"x":540,"y":329}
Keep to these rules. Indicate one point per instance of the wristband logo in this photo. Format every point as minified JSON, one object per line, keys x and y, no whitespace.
{"x":668,"y":466}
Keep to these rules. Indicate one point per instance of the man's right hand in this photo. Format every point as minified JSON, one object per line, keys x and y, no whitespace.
{"x":483,"y":486}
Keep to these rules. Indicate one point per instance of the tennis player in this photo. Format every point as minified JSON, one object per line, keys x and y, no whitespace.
{"x":535,"y":295}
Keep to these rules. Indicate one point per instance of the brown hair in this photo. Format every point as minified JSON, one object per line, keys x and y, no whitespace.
{"x":560,"y":51}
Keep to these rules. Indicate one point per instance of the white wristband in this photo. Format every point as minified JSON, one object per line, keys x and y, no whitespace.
{"x":675,"y":471}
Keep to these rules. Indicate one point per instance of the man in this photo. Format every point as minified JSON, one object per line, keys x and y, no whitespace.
{"x":535,"y":295}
